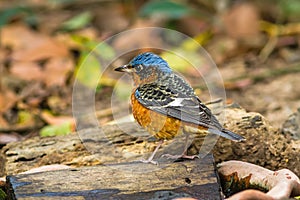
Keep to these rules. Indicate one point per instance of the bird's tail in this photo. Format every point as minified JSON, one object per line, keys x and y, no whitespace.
{"x":227,"y":134}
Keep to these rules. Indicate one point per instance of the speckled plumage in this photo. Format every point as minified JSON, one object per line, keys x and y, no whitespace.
{"x":164,"y":103}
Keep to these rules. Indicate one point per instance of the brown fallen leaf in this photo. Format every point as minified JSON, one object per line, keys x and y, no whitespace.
{"x":140,"y":38}
{"x":3,"y":122}
{"x":7,"y":100}
{"x":54,"y":72}
{"x":242,"y":20}
{"x":27,"y":70}
{"x":56,"y":120}
{"x":32,"y":46}
{"x":43,"y":49}
{"x":57,"y":69}
{"x":10,"y":36}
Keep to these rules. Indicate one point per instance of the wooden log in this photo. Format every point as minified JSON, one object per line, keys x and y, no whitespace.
{"x":135,"y":180}
{"x":112,"y":145}
{"x":87,"y":147}
{"x":264,"y":146}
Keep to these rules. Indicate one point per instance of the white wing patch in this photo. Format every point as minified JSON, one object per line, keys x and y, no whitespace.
{"x":176,"y":102}
{"x":179,"y":102}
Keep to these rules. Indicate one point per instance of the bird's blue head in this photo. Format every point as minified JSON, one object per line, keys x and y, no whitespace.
{"x":146,"y":65}
{"x":149,"y":60}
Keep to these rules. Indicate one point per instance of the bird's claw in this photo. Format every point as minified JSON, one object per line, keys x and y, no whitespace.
{"x":149,"y":161}
{"x":175,"y":157}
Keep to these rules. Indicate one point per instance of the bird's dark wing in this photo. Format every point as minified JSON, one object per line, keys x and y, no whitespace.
{"x":167,"y":101}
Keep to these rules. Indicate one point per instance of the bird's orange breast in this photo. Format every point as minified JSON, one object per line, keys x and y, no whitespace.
{"x":157,"y":124}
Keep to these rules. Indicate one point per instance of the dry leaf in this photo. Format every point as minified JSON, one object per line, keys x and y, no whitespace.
{"x":140,"y":38}
{"x":7,"y":100}
{"x":27,"y":71}
{"x":10,"y":36}
{"x":54,"y":72}
{"x":57,"y":69}
{"x":242,"y":20}
{"x":32,"y":46}
{"x":3,"y":122}
{"x":41,"y":49}
{"x":56,"y":120}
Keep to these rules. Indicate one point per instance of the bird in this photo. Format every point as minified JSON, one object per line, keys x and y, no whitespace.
{"x":165,"y":104}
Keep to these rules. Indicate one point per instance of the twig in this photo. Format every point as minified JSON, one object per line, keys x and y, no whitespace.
{"x":295,"y":68}
{"x":268,"y":48}
{"x":274,"y":31}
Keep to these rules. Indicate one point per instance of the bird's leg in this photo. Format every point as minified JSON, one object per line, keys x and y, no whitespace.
{"x":150,"y":159}
{"x":184,"y":153}
{"x":186,"y":146}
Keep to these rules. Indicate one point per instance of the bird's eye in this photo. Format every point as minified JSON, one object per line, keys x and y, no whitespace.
{"x":138,"y":68}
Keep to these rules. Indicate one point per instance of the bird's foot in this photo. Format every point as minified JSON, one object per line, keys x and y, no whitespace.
{"x":149,"y":161}
{"x":182,"y":156}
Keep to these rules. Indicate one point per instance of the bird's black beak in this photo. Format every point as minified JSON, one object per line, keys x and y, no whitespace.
{"x":124,"y":68}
